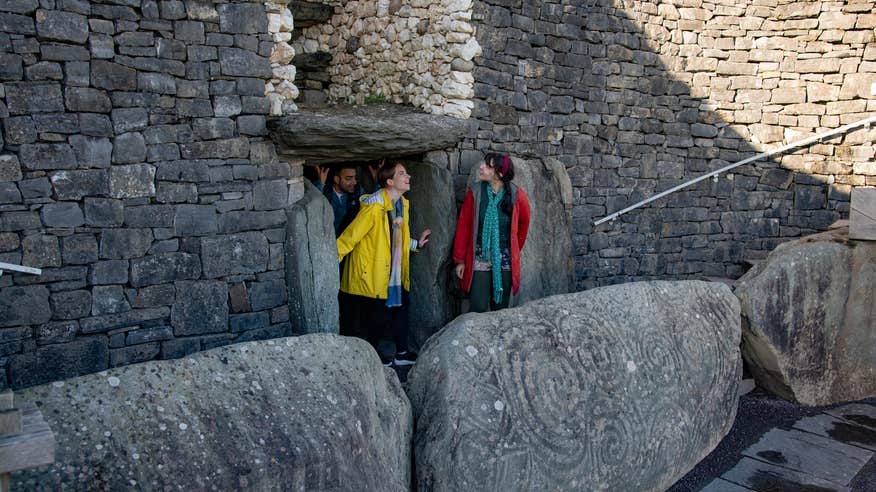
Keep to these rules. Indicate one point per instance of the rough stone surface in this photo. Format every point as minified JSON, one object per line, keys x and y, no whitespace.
{"x":624,"y":387}
{"x":432,"y":207}
{"x":280,"y":414}
{"x":361,"y":132}
{"x":809,"y":315}
{"x":311,"y":259}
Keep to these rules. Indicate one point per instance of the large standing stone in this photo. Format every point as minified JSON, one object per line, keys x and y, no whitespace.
{"x":809,"y":318}
{"x":618,"y":388}
{"x":200,"y":307}
{"x":278,"y":414}
{"x":312,"y":279}
{"x":433,"y":206}
{"x":546,"y":265}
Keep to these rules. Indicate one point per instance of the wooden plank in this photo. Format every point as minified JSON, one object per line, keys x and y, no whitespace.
{"x":718,"y":485}
{"x":859,"y":413}
{"x":34,"y":446}
{"x":764,"y":477}
{"x":815,"y":455}
{"x":839,"y":430}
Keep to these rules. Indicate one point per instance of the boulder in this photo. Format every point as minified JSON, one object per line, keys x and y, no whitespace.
{"x":270,"y":415}
{"x":432,"y":207}
{"x":546,"y":264}
{"x":624,"y":387}
{"x":312,"y":275}
{"x":358,"y":133}
{"x":809,"y":317}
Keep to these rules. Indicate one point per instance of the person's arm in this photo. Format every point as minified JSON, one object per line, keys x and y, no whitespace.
{"x":322,"y":176}
{"x":357,"y":229}
{"x":416,"y":244}
{"x":462,"y":238}
{"x":523,"y":212}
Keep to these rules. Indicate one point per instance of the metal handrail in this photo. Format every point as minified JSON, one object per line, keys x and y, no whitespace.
{"x":806,"y":141}
{"x":19,"y":268}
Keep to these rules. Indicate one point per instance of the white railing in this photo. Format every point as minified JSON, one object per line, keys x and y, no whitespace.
{"x":800,"y":143}
{"x":19,"y":268}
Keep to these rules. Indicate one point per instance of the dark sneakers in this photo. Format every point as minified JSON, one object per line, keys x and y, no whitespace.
{"x":405,"y":358}
{"x":386,"y":360}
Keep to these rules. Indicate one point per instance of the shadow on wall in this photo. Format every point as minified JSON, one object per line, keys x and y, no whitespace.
{"x":637,"y":97}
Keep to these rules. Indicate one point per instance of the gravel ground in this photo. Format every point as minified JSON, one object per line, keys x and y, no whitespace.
{"x":759,"y":412}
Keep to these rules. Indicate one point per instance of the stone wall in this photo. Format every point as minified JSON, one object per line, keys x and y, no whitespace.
{"x":634,"y":97}
{"x":416,"y":52}
{"x":137,"y":173}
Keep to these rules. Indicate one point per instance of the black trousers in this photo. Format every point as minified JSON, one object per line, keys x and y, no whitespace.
{"x":371,"y":320}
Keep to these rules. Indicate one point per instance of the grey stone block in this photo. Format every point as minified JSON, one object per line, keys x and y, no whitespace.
{"x":108,"y":299}
{"x":34,"y":97}
{"x":39,"y":250}
{"x":146,"y":335}
{"x":59,"y":361}
{"x":56,"y":332}
{"x":74,"y":185}
{"x":163,"y":268}
{"x":118,"y":244}
{"x":20,"y":130}
{"x":96,"y":125}
{"x":136,"y":180}
{"x":71,"y":304}
{"x":201,"y":53}
{"x":266,"y":295}
{"x":112,"y":76}
{"x":160,"y":83}
{"x":11,"y":68}
{"x":162,"y":152}
{"x":47,"y":156}
{"x":131,"y":355}
{"x":150,"y":216}
{"x":58,"y":25}
{"x":135,"y":38}
{"x":194,"y":108}
{"x":56,"y":123}
{"x":234,"y":254}
{"x":255,"y":105}
{"x":129,"y":148}
{"x":16,"y":24}
{"x":179,"y":347}
{"x":195,"y":220}
{"x":27,"y":305}
{"x":243,"y":18}
{"x":270,"y":195}
{"x":218,"y":149}
{"x":102,"y":46}
{"x":191,"y":31}
{"x":103,"y":212}
{"x":109,"y":272}
{"x":19,"y":221}
{"x":248,"y":321}
{"x":9,"y":193}
{"x":154,"y":296}
{"x":80,"y":249}
{"x":254,"y":125}
{"x":98,"y":324}
{"x":35,"y":188}
{"x":129,"y":119}
{"x":20,"y":6}
{"x":168,"y":192}
{"x":62,"y":214}
{"x":238,"y":221}
{"x":200,"y":307}
{"x":10,"y":169}
{"x":77,"y":73}
{"x":170,"y":48}
{"x":63,"y":52}
{"x":227,"y":105}
{"x":213,"y":128}
{"x":92,"y":151}
{"x":243,"y":63}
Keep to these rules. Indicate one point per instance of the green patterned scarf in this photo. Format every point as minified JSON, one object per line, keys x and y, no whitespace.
{"x":490,"y":240}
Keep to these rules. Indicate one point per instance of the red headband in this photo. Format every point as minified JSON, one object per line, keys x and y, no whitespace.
{"x":505,"y":164}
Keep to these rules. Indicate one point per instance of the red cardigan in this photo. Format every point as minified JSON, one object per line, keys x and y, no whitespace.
{"x":467,"y":226}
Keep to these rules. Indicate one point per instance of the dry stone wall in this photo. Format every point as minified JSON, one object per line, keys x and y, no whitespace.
{"x":416,"y":52}
{"x":137,"y":173}
{"x":634,"y":97}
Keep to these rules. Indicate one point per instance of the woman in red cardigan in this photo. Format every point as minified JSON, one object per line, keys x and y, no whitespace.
{"x":490,"y":233}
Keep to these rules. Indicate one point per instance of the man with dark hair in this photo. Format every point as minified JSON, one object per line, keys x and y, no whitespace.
{"x":343,"y":194}
{"x":376,"y":276}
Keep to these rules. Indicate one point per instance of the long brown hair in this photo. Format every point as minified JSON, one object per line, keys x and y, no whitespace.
{"x":504,"y":167}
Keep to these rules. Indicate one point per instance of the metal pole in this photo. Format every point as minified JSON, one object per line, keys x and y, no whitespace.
{"x":799,"y":143}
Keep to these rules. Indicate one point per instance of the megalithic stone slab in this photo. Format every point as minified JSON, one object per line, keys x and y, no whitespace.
{"x":862,"y":216}
{"x":758,"y":475}
{"x":618,"y":388}
{"x":316,"y":412}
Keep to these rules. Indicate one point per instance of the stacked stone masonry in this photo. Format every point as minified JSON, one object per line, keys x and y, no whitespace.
{"x":416,"y":52}
{"x":137,"y":173}
{"x":634,"y":97}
